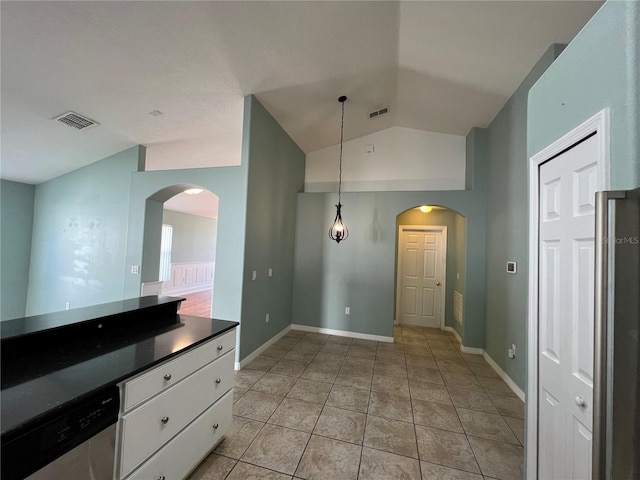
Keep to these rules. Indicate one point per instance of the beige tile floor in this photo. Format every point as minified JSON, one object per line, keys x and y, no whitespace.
{"x":315,"y":406}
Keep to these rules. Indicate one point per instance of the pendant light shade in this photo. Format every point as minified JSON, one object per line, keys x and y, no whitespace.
{"x":339,"y":230}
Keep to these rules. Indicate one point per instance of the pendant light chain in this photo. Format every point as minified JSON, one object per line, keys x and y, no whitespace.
{"x":341,"y":139}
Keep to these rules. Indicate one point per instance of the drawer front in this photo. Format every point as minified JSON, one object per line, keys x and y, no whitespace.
{"x":164,"y":376}
{"x":189,"y":447}
{"x":147,"y":428}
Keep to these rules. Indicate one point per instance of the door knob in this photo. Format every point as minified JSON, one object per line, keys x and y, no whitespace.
{"x":581,"y":402}
{"x":438,"y":284}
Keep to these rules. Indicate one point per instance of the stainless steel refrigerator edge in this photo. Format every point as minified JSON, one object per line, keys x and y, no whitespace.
{"x":616,"y":422}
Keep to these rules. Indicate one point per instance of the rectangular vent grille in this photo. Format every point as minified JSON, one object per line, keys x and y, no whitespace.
{"x":75,"y":120}
{"x":377,"y":113}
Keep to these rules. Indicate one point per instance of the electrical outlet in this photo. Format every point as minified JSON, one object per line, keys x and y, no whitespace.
{"x":67,"y":306}
{"x":266,"y":318}
{"x":254,"y":275}
{"x":513,"y":347}
{"x":511,"y":353}
{"x":271,"y":272}
{"x":135,"y":269}
{"x":347,"y":310}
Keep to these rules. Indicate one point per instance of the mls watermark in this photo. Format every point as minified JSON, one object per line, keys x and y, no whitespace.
{"x":623,"y":240}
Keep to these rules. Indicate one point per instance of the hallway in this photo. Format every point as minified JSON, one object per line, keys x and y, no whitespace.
{"x":321,"y":406}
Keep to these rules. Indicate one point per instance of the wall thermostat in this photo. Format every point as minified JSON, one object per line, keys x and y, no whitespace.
{"x":512,"y":267}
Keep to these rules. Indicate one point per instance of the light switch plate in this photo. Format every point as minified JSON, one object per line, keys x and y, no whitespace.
{"x":512,"y":267}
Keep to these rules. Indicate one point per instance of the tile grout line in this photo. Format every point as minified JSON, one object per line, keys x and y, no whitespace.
{"x":376,"y":361}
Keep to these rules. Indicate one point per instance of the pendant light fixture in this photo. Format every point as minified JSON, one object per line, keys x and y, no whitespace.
{"x":338,"y":230}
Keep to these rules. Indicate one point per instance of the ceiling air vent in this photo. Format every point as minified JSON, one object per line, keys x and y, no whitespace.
{"x":377,"y":113}
{"x":75,"y":120}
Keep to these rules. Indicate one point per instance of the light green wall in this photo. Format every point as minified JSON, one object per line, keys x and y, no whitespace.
{"x":599,"y":69}
{"x":16,"y":224}
{"x":79,"y":236}
{"x":507,"y":227}
{"x":255,"y":229}
{"x":455,"y":250}
{"x":194,"y":237}
{"x":276,"y":175}
{"x":230,"y":185}
{"x":460,"y":281}
{"x":360,"y":272}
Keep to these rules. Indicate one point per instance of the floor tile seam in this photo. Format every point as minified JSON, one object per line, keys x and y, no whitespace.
{"x":386,"y":451}
{"x":415,"y":433}
{"x":496,"y":441}
{"x":250,"y":443}
{"x":512,"y":431}
{"x":229,"y":472}
{"x":260,"y":466}
{"x":458,"y":468}
{"x":304,"y":450}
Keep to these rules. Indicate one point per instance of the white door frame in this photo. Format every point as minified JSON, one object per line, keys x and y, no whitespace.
{"x":424,"y":228}
{"x":599,"y":124}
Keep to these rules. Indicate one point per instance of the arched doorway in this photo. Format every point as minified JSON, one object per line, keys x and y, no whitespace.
{"x":180,"y":238}
{"x":430,"y":267}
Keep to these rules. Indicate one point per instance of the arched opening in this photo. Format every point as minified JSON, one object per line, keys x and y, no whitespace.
{"x":179,"y":254}
{"x":430,"y":268}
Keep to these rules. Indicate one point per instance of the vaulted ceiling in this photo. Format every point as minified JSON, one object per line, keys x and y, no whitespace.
{"x":443,"y":66}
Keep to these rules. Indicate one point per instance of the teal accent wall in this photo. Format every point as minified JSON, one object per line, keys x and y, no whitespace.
{"x":460,"y":280}
{"x":456,"y":250}
{"x":360,"y":272}
{"x":276,"y":175}
{"x":154,"y":188}
{"x":508,"y":227}
{"x":79,"y":236}
{"x":599,"y":69}
{"x":16,"y":224}
{"x":194,"y":237}
{"x":256,"y":222}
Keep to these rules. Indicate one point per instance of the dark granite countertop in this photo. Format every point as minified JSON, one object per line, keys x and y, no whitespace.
{"x":45,"y":371}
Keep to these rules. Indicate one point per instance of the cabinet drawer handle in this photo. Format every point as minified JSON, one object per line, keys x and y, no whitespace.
{"x":162,"y":477}
{"x":215,"y":426}
{"x":167,"y":376}
{"x":218,"y":380}
{"x":164,"y":420}
{"x":220,"y":347}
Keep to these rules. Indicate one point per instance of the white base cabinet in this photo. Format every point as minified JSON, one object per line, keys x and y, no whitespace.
{"x":173,"y":414}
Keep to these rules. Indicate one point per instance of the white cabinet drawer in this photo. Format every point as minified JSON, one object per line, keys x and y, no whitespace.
{"x":188,"y":448}
{"x":150,"y":426}
{"x":153,"y":382}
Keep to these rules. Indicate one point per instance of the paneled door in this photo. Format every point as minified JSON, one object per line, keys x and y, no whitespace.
{"x":421,"y":274}
{"x":567,"y":189}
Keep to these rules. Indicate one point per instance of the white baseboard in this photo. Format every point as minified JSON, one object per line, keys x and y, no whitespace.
{"x":447,"y":328}
{"x":507,"y":379}
{"x":262,"y":348}
{"x":472,"y":350}
{"x":342,"y":333}
{"x":184,"y":291}
{"x":501,"y":373}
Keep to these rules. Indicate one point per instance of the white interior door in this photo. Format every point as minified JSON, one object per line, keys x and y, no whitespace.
{"x":421,"y":273}
{"x":566,"y":305}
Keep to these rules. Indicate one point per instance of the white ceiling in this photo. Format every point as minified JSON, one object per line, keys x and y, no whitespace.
{"x":203,"y":204}
{"x":442,"y":66}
